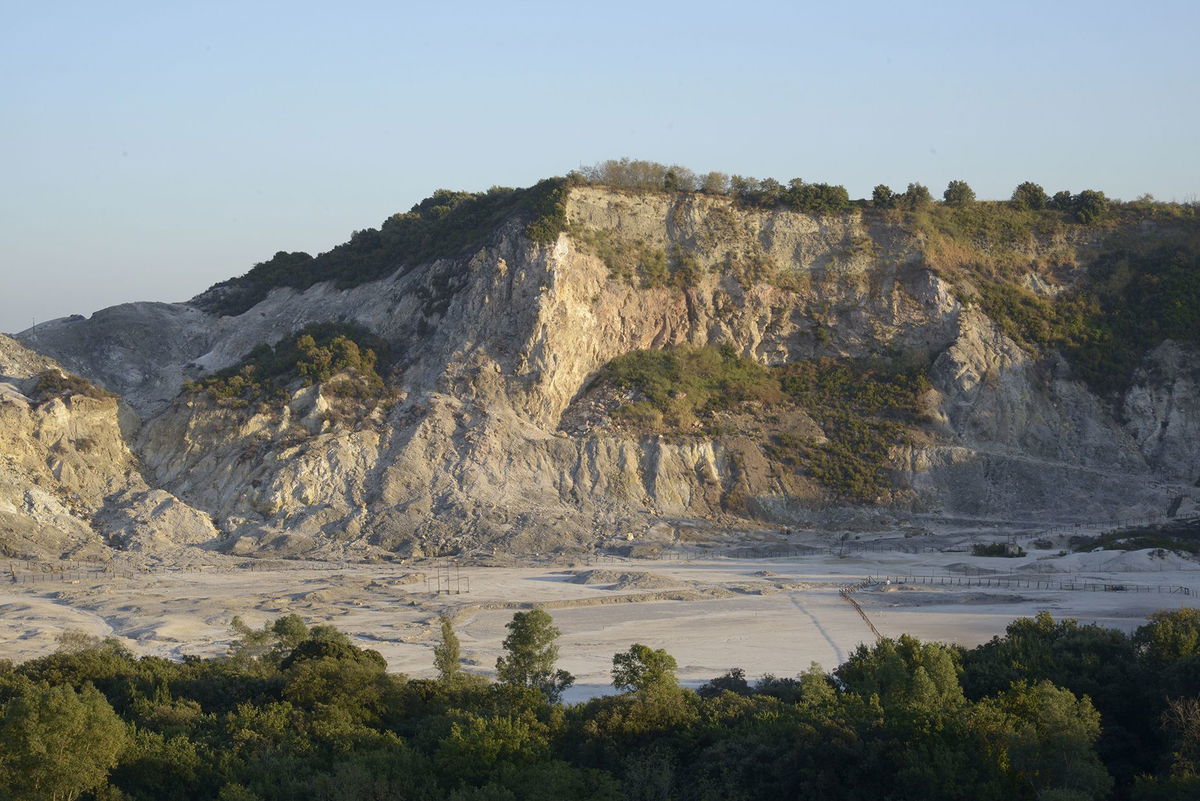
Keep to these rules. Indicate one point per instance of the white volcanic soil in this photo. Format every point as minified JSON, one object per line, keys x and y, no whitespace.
{"x":772,"y":616}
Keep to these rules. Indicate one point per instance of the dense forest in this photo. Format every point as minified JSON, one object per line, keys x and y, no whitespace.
{"x":1054,"y":711}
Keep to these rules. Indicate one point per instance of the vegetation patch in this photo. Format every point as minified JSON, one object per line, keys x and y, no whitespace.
{"x":1143,"y":288}
{"x":649,"y":176}
{"x":1182,"y":536}
{"x":677,"y":387}
{"x":1048,"y":711}
{"x":445,"y":225}
{"x":54,"y":384}
{"x":989,"y":239}
{"x":1002,"y":549}
{"x":347,"y":354}
{"x":864,"y":406}
{"x":632,"y":261}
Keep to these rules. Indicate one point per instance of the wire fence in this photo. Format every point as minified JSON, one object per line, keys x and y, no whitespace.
{"x":1035,"y":583}
{"x":840,"y":549}
{"x":29,"y":571}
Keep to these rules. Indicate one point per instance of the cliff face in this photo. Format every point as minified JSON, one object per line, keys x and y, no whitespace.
{"x":69,"y":483}
{"x":492,"y":432}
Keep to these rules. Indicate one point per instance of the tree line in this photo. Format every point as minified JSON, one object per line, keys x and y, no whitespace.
{"x":1086,"y":207}
{"x":1050,"y":711}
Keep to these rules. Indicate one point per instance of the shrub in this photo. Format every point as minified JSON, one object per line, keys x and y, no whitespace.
{"x":715,"y":183}
{"x":315,"y":354}
{"x":1007,"y":549}
{"x":53,"y":384}
{"x":865,"y":407}
{"x":882,"y":197}
{"x":916,"y":197}
{"x":1143,"y":288}
{"x":1089,"y":206}
{"x":817,"y":198}
{"x":682,"y":383}
{"x":1062,"y":201}
{"x":1029,"y":196}
{"x":958,"y":193}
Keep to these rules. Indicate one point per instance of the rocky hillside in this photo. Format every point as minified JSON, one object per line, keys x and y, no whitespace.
{"x":557,"y":366}
{"x":69,"y":484}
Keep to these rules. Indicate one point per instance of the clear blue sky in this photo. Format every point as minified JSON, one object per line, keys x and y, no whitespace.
{"x":153,"y":148}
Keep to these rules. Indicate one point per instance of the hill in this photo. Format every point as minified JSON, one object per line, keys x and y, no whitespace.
{"x":555,"y":366}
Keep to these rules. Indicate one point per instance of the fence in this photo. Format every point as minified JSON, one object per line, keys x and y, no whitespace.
{"x":846,"y":591}
{"x":28,"y":571}
{"x":1038,"y":583}
{"x":448,"y":579}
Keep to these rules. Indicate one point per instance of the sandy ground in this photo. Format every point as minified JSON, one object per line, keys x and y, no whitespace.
{"x":772,"y":616}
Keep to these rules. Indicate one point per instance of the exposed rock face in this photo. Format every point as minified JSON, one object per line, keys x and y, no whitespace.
{"x":1163,"y":410}
{"x":476,"y":443}
{"x":65,"y":464}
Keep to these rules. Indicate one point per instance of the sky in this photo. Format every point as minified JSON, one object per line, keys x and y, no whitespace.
{"x":151,"y":149}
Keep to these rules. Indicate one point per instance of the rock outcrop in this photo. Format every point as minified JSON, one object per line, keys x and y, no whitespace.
{"x":69,"y":484}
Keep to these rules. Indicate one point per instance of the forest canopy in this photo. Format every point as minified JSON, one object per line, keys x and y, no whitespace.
{"x":1050,"y":710}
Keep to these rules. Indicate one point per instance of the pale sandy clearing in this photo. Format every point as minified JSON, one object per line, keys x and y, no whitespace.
{"x":766,"y":616}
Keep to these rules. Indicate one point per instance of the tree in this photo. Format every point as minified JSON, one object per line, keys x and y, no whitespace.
{"x":531,"y":654}
{"x":916,"y":197}
{"x":327,"y":642}
{"x":734,"y":681}
{"x":1043,"y":735}
{"x":1061,"y":201}
{"x":958,"y":193}
{"x":1182,"y":722}
{"x":446,"y":654}
{"x":1169,"y":647}
{"x":644,"y":669}
{"x":715,"y":183}
{"x":56,"y":744}
{"x":770,"y":192}
{"x":1170,"y":636}
{"x":1089,"y":206}
{"x":743,"y":188}
{"x":268,"y":645}
{"x":882,"y":197}
{"x":818,"y":198}
{"x":906,"y":675}
{"x":1029,"y":195}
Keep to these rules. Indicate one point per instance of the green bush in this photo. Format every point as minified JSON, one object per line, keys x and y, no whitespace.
{"x":637,"y":263}
{"x":916,"y":197}
{"x":1089,"y":206}
{"x":1029,"y":196}
{"x":882,"y":197}
{"x":1181,"y":536}
{"x":1003,"y":549}
{"x":958,"y":193}
{"x":865,"y":407}
{"x":314,"y":355}
{"x":53,"y":384}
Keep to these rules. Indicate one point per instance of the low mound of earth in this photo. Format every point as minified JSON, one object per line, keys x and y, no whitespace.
{"x":904,"y":595}
{"x":614,"y":580}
